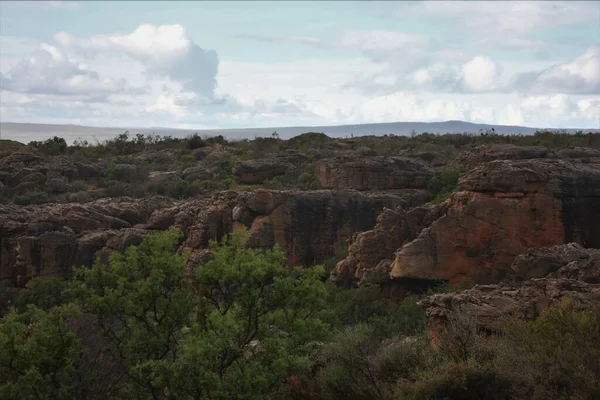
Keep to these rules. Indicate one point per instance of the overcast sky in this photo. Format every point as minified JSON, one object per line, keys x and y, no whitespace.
{"x":233,"y":64}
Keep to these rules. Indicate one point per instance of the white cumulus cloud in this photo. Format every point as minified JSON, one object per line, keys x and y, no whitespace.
{"x":165,"y":51}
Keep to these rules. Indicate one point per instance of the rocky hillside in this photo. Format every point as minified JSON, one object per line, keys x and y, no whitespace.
{"x":407,"y":213}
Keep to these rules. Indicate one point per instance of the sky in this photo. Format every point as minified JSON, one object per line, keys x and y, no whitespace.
{"x":228,"y":64}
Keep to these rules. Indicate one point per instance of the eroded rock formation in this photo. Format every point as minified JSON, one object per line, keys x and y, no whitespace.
{"x":373,"y":173}
{"x":308,"y":226}
{"x":571,"y":272}
{"x":503,"y":209}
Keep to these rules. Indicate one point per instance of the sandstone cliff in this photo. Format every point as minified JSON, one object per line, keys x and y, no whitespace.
{"x":576,"y":279}
{"x":503,"y":209}
{"x":309,"y":226}
{"x":373,"y":173}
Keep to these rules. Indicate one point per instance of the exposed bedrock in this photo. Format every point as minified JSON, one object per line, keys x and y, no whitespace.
{"x":47,"y":240}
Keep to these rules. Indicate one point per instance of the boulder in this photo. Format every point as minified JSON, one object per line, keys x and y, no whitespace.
{"x":253,"y":172}
{"x":373,"y":173}
{"x":538,"y":263}
{"x":197,"y":173}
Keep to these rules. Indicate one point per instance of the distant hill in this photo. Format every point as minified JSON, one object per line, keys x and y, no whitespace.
{"x":25,"y":132}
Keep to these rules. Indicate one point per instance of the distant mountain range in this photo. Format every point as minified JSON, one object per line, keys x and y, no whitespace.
{"x":25,"y":132}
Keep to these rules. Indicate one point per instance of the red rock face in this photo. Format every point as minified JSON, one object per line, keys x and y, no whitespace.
{"x":576,"y":276}
{"x":371,"y":252}
{"x":308,"y":226}
{"x":504,"y":209}
{"x":373,"y":173}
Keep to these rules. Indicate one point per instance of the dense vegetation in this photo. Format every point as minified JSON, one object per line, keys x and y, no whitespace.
{"x":138,"y":165}
{"x":244,"y":326}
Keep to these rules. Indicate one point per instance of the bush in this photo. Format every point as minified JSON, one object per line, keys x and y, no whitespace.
{"x":195,"y":142}
{"x":43,"y":293}
{"x":558,"y":353}
{"x":117,"y":189}
{"x":35,"y":197}
{"x":369,"y":305}
{"x":52,"y":147}
{"x":358,"y":366}
{"x":462,"y":381}
{"x":35,"y":177}
{"x":443,"y":184}
{"x":460,"y":340}
{"x":122,"y":172}
{"x":307,"y":181}
{"x":178,"y":189}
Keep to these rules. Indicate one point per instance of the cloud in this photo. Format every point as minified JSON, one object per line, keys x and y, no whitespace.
{"x":45,"y":4}
{"x":157,"y":75}
{"x":480,"y":74}
{"x":578,"y":76}
{"x":50,"y":71}
{"x":165,"y":51}
{"x":504,"y":24}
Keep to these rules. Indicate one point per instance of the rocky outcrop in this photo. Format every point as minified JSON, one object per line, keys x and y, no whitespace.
{"x":492,"y":304}
{"x":486,"y":153}
{"x":308,"y":225}
{"x":16,"y":168}
{"x":492,"y":152}
{"x":373,"y":173}
{"x":371,"y":252}
{"x":258,"y":171}
{"x":253,"y":172}
{"x":503,"y":209}
{"x":48,"y":240}
{"x":539,"y":263}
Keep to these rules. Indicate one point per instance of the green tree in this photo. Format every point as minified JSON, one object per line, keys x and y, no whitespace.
{"x":39,"y":355}
{"x":244,"y":324}
{"x":255,"y":325}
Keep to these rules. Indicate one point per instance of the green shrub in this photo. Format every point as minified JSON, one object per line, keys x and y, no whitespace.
{"x":52,"y":147}
{"x":461,"y":381}
{"x":357,"y":366}
{"x":117,"y":188}
{"x":444,"y":183}
{"x":79,"y":185}
{"x":460,"y":341}
{"x":35,"y":177}
{"x":274,"y":183}
{"x":179,"y":189}
{"x":196,"y":142}
{"x":36,"y":197}
{"x":369,"y":305}
{"x":122,"y":173}
{"x":44,"y":293}
{"x":39,"y":355}
{"x":307,"y":181}
{"x":186,"y":158}
{"x":558,"y":353}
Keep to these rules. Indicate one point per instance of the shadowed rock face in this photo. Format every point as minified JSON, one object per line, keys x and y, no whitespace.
{"x":503,"y":209}
{"x":538,"y":263}
{"x":309,"y":226}
{"x":493,"y":152}
{"x":573,"y":272}
{"x":258,"y":171}
{"x":371,"y":252}
{"x":373,"y":173}
{"x":487,"y":153}
{"x":491,"y":304}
